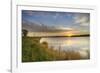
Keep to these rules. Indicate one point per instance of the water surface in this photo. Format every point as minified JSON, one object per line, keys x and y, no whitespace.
{"x":78,"y":44}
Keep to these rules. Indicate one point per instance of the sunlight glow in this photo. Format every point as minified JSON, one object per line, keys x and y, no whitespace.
{"x":69,"y":43}
{"x":70,"y":34}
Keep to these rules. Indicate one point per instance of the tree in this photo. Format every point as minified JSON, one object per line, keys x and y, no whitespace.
{"x":24,"y":32}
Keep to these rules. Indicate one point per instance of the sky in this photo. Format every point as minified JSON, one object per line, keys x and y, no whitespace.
{"x":78,"y":22}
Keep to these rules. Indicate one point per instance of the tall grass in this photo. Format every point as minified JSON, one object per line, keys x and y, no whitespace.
{"x":33,"y":51}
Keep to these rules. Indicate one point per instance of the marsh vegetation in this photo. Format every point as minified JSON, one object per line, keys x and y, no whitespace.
{"x":33,"y":51}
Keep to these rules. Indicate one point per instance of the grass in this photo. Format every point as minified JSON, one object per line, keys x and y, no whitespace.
{"x":33,"y":51}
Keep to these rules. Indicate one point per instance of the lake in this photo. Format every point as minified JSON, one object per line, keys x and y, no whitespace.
{"x":77,"y":44}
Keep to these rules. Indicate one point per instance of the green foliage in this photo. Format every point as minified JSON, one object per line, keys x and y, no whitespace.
{"x":32,"y":50}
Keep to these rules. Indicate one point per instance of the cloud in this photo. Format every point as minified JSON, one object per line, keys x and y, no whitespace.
{"x":64,"y":28}
{"x":82,"y":19}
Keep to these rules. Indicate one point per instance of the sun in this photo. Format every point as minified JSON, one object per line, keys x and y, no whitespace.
{"x":69,"y":34}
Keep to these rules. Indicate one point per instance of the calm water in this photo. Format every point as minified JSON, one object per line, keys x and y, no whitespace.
{"x":78,"y":44}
